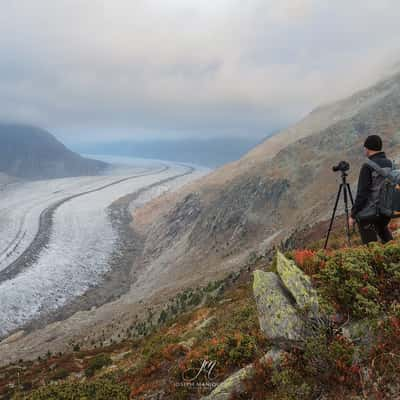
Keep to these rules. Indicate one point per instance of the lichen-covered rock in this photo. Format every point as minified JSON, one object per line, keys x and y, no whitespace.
{"x":234,"y":383}
{"x":298,"y":283}
{"x":188,"y":344}
{"x":360,"y":332}
{"x":278,"y":317}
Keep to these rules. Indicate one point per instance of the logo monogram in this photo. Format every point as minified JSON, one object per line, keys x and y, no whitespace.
{"x":206,"y":368}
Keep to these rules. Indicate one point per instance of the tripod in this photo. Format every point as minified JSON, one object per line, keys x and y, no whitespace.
{"x":346,"y":194}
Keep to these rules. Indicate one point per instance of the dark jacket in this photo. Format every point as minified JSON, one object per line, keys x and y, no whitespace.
{"x":365,"y":181}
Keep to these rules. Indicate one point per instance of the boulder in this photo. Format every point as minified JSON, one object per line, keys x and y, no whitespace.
{"x":298,"y":284}
{"x":288,"y":309}
{"x":277,"y":314}
{"x":287,"y":304}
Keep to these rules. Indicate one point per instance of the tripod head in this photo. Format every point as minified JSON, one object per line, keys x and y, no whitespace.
{"x":344,"y":175}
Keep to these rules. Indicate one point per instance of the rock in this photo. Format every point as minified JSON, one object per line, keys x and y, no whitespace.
{"x":188,"y":344}
{"x":206,"y":323}
{"x":13,"y":338}
{"x":360,"y":332}
{"x":223,"y":301}
{"x":287,"y":304}
{"x":120,"y":356}
{"x":234,"y":383}
{"x":278,"y":317}
{"x":298,"y":283}
{"x":275,"y":354}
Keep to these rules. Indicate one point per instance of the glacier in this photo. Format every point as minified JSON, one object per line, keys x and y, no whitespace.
{"x":81,"y":239}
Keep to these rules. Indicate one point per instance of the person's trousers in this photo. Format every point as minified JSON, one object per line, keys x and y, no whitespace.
{"x":369,"y":232}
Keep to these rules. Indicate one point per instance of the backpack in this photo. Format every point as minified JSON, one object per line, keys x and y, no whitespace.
{"x":386,"y":193}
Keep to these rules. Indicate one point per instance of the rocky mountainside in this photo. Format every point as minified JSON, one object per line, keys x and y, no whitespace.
{"x":284,"y":183}
{"x":28,"y":152}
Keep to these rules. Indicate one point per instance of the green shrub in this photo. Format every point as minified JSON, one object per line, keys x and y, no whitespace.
{"x":60,"y":373}
{"x":97,"y":363}
{"x":153,"y":346}
{"x":384,"y":356}
{"x":195,"y":299}
{"x":290,"y":385}
{"x":362,"y":281}
{"x":163,"y":317}
{"x":102,"y":389}
{"x":233,"y":350}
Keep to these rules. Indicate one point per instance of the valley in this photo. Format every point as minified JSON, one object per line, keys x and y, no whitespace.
{"x":62,"y":238}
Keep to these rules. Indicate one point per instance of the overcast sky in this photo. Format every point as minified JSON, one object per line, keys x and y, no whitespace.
{"x":91,"y":69}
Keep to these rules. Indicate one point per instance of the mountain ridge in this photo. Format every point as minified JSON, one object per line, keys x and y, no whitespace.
{"x":29,"y":152}
{"x":212,"y":152}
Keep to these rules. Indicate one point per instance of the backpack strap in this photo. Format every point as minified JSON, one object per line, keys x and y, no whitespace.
{"x":381,"y":171}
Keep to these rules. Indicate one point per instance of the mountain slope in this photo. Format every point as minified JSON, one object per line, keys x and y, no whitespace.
{"x":284,"y":183}
{"x":28,"y":152}
{"x":221,"y":322}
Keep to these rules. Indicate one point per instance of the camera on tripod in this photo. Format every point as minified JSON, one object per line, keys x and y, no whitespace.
{"x":344,"y":188}
{"x":342,"y":166}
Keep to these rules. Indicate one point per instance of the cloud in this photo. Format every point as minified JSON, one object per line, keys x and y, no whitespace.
{"x":90,"y":69}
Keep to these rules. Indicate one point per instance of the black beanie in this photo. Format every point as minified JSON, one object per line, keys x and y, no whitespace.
{"x":373,"y":142}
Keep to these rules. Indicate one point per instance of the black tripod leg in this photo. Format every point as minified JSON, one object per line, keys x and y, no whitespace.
{"x":346,"y":207}
{"x":350,"y":194}
{"x":352,"y":202}
{"x":333,"y":215}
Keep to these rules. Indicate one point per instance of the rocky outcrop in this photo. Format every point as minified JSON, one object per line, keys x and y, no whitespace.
{"x":231,"y":218}
{"x":234,"y":383}
{"x":286,"y":303}
{"x":298,"y":284}
{"x":173,"y":225}
{"x":277,"y":314}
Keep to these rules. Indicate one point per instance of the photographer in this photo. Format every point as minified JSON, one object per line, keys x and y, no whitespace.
{"x":368,"y":188}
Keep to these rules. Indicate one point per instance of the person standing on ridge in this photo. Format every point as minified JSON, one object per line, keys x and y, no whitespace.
{"x":368,"y":188}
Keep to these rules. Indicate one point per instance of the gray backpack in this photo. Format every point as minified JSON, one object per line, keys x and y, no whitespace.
{"x":385,"y":196}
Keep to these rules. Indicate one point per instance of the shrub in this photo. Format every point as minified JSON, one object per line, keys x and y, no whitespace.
{"x":291,"y":385}
{"x":195,"y":299}
{"x":305,"y":259}
{"x":362,"y":281}
{"x":102,"y":389}
{"x":97,"y":363}
{"x":233,"y":350}
{"x":60,"y":373}
{"x":328,"y":361}
{"x":163,"y":317}
{"x":384,"y":357}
